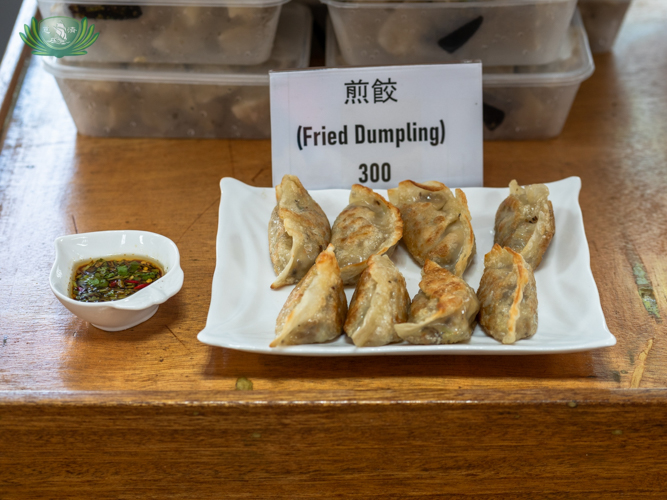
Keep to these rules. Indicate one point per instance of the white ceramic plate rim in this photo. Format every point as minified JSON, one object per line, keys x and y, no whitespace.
{"x":244,"y":213}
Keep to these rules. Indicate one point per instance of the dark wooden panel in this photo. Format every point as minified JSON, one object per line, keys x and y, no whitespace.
{"x":335,"y":451}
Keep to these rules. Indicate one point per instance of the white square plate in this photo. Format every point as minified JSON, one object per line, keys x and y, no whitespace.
{"x":243,"y":308}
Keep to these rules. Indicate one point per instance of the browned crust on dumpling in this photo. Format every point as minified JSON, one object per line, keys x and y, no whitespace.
{"x":437,"y":224}
{"x":320,"y":317}
{"x":524,"y":225}
{"x":508,"y":296}
{"x":521,"y":282}
{"x":469,"y":246}
{"x":368,"y":226}
{"x":432,"y":186}
{"x":380,"y":301}
{"x":437,"y":282}
{"x":298,"y":231}
{"x":443,"y":311}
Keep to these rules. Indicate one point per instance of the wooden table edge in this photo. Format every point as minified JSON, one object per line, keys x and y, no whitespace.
{"x":232,"y":398}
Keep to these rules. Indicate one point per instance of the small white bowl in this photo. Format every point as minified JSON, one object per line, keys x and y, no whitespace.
{"x":75,"y":249}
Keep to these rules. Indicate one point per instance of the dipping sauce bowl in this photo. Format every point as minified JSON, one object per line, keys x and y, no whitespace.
{"x":76,"y":249}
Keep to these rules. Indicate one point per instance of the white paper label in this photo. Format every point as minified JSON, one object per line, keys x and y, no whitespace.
{"x":378,"y":126}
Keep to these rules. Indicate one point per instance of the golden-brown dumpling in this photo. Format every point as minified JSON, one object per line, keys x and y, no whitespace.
{"x":380,"y":301}
{"x":525,"y":222}
{"x":369,"y":225}
{"x":298,"y":231}
{"x":436,"y":224}
{"x":508,"y":296}
{"x":443,"y":311}
{"x":315,"y":310}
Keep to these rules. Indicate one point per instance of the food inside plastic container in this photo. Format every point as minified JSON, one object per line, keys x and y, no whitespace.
{"x":603,"y":19}
{"x":524,"y":102}
{"x":145,"y":100}
{"x":180,"y":31}
{"x":498,"y":32}
{"x":533,"y":102}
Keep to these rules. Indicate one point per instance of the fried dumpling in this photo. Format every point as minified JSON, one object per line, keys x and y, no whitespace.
{"x":443,"y":311}
{"x":380,"y":301}
{"x":298,"y":231}
{"x":315,"y":310}
{"x":436,"y":224}
{"x":369,"y":225}
{"x":525,"y":222}
{"x":508,"y":296}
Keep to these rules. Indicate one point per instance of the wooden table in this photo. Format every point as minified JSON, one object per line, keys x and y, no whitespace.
{"x":153,"y":413}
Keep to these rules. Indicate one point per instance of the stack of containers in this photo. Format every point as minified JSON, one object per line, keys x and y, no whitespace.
{"x":534,"y":52}
{"x":603,"y":19}
{"x":179,"y":68}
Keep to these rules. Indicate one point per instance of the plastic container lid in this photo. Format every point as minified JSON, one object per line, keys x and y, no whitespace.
{"x":189,"y":3}
{"x":291,"y":49}
{"x":426,"y":4}
{"x":574,"y":65}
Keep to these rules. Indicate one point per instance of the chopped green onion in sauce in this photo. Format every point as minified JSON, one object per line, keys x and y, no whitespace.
{"x":104,"y":280}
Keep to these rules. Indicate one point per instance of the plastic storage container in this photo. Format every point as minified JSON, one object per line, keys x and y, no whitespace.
{"x":498,"y":32}
{"x":603,"y":19}
{"x":138,"y":100}
{"x":525,"y":102}
{"x":176,"y":31}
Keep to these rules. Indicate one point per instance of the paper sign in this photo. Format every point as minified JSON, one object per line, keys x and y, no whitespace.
{"x":377,"y":126}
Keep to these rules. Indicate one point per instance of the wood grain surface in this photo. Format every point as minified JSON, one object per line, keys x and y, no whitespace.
{"x":152,"y":413}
